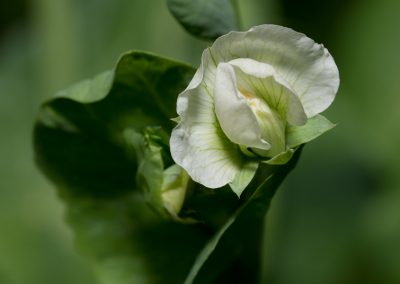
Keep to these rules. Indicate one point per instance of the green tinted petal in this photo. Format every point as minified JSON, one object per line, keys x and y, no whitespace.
{"x":316,"y":126}
{"x":234,"y":114}
{"x":281,"y":158}
{"x":244,"y":177}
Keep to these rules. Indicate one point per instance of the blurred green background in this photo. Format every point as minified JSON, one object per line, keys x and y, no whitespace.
{"x":337,"y":217}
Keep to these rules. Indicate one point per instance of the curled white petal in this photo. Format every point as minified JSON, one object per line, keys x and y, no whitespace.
{"x":266,"y":83}
{"x":235,"y":116}
{"x":307,"y":66}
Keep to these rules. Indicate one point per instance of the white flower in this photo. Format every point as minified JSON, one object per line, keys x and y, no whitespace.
{"x":255,"y":98}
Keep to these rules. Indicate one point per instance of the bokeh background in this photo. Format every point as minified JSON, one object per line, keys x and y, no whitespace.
{"x":337,"y":217}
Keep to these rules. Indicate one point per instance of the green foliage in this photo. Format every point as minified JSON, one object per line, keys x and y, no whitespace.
{"x":94,"y":143}
{"x":336,"y":219}
{"x":80,"y":145}
{"x":205,"y":19}
{"x":79,"y":134}
{"x":238,"y":240}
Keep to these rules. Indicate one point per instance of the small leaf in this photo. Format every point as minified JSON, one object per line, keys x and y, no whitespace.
{"x":315,"y":126}
{"x":205,"y":19}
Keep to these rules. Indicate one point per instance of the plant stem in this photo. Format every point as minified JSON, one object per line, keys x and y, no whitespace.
{"x":235,"y":5}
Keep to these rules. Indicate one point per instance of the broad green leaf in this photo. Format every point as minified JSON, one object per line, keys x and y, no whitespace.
{"x":127,"y":242}
{"x":205,"y":19}
{"x":80,"y":145}
{"x":238,"y":240}
{"x":79,"y":134}
{"x":90,"y":90}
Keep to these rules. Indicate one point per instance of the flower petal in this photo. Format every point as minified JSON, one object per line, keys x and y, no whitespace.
{"x":307,"y":66}
{"x":244,"y":177}
{"x":267,"y":84}
{"x":235,"y":116}
{"x":198,"y":144}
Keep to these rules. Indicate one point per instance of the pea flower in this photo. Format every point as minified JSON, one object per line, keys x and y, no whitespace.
{"x":255,"y":98}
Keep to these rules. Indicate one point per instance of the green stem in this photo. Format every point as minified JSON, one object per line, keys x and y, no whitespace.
{"x":247,"y":267}
{"x":236,"y":9}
